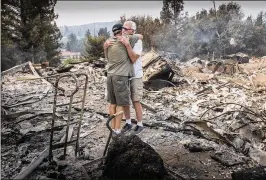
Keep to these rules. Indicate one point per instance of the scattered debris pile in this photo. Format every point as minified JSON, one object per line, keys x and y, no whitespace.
{"x":256,"y":173}
{"x":205,"y":119}
{"x":228,"y":107}
{"x":239,"y":57}
{"x":129,"y":157}
{"x":158,"y":71}
{"x":157,"y":67}
{"x":26,"y":111}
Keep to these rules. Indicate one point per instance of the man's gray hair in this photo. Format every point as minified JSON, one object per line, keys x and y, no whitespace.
{"x":132,"y":24}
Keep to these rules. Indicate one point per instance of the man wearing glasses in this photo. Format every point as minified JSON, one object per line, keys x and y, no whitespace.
{"x":136,"y":84}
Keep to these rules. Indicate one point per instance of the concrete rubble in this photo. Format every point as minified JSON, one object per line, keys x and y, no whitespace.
{"x":206,"y":119}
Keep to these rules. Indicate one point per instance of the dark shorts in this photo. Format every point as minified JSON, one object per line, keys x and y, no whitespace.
{"x":118,"y":91}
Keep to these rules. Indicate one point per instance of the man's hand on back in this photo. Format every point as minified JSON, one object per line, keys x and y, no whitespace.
{"x":124,"y":40}
{"x":107,"y":44}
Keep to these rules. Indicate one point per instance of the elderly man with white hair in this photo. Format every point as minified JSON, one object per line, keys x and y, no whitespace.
{"x":136,"y":84}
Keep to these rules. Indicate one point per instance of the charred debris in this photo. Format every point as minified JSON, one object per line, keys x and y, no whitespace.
{"x":204,"y":119}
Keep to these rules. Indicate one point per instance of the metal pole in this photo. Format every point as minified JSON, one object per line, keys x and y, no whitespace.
{"x":53,"y":119}
{"x":81,"y":113}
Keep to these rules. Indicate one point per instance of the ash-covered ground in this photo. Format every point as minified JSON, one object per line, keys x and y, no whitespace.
{"x":194,"y":145}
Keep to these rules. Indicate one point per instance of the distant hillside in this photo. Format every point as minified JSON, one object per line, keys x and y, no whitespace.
{"x":80,"y":30}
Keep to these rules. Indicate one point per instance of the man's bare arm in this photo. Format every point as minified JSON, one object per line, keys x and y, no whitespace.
{"x":105,"y":53}
{"x":132,"y":55}
{"x":140,"y":36}
{"x":105,"y":50}
{"x":108,"y":43}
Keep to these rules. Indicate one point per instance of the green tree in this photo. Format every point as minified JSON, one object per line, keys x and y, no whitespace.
{"x":166,"y":14}
{"x":258,"y":41}
{"x":259,"y":19}
{"x":49,"y":34}
{"x":52,"y":44}
{"x":122,"y":19}
{"x":10,"y":34}
{"x":66,"y":32}
{"x":148,"y":27}
{"x":28,"y":30}
{"x":88,"y":33}
{"x":68,"y":46}
{"x":94,"y":47}
{"x":72,"y":42}
{"x":104,"y":32}
{"x":80,"y":45}
{"x":171,"y":10}
{"x":10,"y":22}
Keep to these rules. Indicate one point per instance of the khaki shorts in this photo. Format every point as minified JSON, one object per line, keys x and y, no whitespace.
{"x":118,"y":90}
{"x":136,"y":88}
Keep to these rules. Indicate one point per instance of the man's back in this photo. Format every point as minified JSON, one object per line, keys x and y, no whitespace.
{"x":119,"y":62}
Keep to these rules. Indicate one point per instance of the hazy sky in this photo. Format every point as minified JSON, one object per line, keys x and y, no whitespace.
{"x":84,"y":12}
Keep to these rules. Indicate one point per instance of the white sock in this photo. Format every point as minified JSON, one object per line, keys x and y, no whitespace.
{"x":128,"y":121}
{"x":118,"y":131}
{"x":139,"y":123}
